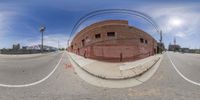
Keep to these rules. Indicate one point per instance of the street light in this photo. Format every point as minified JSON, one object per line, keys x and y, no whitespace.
{"x":161,"y":48}
{"x":42,"y":29}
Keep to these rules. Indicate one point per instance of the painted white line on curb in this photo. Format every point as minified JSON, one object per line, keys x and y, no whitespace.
{"x":37,"y":82}
{"x":193,"y":82}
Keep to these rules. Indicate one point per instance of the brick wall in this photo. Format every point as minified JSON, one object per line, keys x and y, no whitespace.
{"x":117,"y":41}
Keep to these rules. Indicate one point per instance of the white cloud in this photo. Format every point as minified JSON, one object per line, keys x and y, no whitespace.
{"x":8,"y":15}
{"x":55,"y":40}
{"x":164,"y":13}
{"x":5,"y":21}
{"x":181,"y":34}
{"x":187,"y":12}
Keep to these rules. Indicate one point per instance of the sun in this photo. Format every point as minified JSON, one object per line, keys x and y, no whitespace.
{"x":175,"y":22}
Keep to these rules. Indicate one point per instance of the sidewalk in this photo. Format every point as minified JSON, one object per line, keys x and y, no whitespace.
{"x":114,"y":71}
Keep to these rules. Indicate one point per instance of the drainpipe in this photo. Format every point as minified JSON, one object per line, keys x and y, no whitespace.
{"x":85,"y":53}
{"x":121,"y":56}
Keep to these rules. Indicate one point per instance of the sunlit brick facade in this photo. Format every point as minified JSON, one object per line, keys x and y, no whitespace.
{"x":113,"y":40}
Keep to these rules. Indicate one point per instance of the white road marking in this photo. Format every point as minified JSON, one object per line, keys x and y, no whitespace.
{"x":37,"y":82}
{"x":193,"y":82}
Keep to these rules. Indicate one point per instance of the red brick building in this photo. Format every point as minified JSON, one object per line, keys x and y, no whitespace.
{"x":113,"y":40}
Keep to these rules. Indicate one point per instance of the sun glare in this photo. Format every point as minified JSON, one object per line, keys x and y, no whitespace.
{"x":175,"y":22}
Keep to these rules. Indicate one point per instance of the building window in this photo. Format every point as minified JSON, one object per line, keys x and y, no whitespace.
{"x":72,"y":47}
{"x":83,"y":42}
{"x":146,"y":42}
{"x":97,"y":36}
{"x":111,"y":34}
{"x":141,"y":40}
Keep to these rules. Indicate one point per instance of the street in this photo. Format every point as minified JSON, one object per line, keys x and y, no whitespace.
{"x":25,"y":69}
{"x":65,"y":84}
{"x":188,"y":65}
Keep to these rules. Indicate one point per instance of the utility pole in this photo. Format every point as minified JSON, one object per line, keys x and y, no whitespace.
{"x":42,"y":29}
{"x":161,"y":45}
{"x":58,"y":44}
{"x":174,"y":44}
{"x":174,"y":40}
{"x":160,"y":36}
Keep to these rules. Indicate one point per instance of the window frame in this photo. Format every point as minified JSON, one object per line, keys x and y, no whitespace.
{"x":111,"y":34}
{"x":146,"y":42}
{"x":97,"y":36}
{"x":141,"y":40}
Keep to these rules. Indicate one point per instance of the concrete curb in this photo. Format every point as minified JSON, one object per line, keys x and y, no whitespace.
{"x":138,"y":70}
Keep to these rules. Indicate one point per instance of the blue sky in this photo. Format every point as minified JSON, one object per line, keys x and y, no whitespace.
{"x":20,"y":19}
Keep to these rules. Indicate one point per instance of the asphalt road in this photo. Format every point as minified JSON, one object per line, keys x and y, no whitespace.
{"x":25,"y":69}
{"x":65,"y":84}
{"x":187,"y":64}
